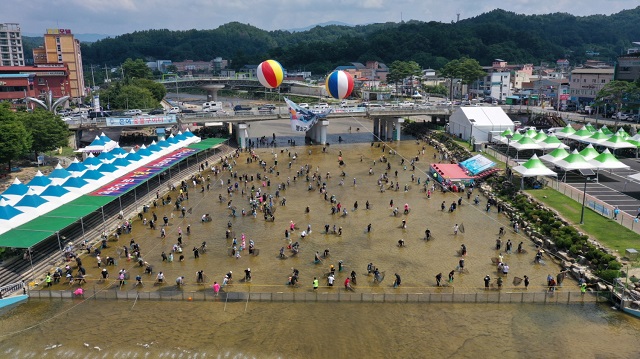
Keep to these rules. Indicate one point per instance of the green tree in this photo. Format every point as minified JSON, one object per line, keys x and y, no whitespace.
{"x":47,"y":130}
{"x":618,"y":93}
{"x":466,"y":69}
{"x":15,"y":140}
{"x":131,"y":96}
{"x":137,"y":69}
{"x":401,"y":70}
{"x":157,"y":90}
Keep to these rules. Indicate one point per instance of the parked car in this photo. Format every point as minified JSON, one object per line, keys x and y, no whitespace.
{"x":242,"y":108}
{"x":622,"y":116}
{"x":266,"y":108}
{"x":133,"y":112}
{"x":97,"y":114}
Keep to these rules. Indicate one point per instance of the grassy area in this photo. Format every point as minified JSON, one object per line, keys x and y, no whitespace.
{"x":498,"y":163}
{"x":597,"y":226}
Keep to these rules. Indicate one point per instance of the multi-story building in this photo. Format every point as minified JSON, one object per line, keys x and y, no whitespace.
{"x":60,"y":47}
{"x":193,"y":66}
{"x":628,"y":67}
{"x":11,"y":51}
{"x":19,"y":82}
{"x":585,"y":83}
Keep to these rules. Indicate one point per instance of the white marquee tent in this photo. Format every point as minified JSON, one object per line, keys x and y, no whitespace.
{"x":478,"y":122}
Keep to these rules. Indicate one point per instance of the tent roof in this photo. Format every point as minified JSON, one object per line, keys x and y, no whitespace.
{"x":589,"y":152}
{"x":7,"y":212}
{"x":617,"y":141}
{"x":555,"y":155}
{"x":208,"y":143}
{"x":574,"y":161}
{"x":534,"y":167}
{"x":54,"y":191}
{"x":39,"y":180}
{"x":42,"y":227}
{"x":606,"y":160}
{"x":59,"y":172}
{"x":486,"y":116}
{"x":552,"y":142}
{"x":565,"y":132}
{"x":526,"y":143}
{"x":17,"y":188}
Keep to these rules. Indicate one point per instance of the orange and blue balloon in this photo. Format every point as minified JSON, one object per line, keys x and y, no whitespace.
{"x":339,"y":84}
{"x":270,"y":74}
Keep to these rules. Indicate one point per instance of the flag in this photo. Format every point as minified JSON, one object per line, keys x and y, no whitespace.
{"x":303,"y":119}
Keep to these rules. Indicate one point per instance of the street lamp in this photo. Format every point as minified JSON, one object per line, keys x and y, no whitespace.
{"x":585,"y":173}
{"x":471,"y":121}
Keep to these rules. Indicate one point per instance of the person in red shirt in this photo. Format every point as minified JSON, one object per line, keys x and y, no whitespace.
{"x":347,"y":284}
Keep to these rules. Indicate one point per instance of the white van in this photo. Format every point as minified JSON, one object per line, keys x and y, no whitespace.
{"x":212,"y":106}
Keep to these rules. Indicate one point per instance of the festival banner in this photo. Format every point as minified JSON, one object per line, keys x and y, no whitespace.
{"x":303,"y":119}
{"x":141,"y":121}
{"x":138,"y":176}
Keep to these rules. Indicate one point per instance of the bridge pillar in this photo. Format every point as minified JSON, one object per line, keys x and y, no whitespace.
{"x":318,"y":132}
{"x":322,"y":131}
{"x":398,"y":124}
{"x":383,"y":129}
{"x":389,"y":129}
{"x":376,"y":129}
{"x":242,"y":134}
{"x":212,"y":91}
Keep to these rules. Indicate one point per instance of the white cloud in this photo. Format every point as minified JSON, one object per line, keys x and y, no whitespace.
{"x":122,"y":16}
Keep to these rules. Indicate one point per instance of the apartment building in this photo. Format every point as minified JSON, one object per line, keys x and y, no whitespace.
{"x":60,"y":47}
{"x":11,"y":51}
{"x":585,"y":83}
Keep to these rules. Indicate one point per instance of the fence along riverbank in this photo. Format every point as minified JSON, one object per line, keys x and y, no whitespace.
{"x":326,"y":294}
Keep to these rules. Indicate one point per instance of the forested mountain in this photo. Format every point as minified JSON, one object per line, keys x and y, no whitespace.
{"x":497,"y":34}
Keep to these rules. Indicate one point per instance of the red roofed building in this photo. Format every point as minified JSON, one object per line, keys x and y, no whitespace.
{"x":19,"y":82}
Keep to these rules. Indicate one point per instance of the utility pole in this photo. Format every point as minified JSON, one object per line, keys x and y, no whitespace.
{"x":93,"y":79}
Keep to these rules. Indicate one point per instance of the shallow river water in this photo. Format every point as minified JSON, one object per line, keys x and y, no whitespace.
{"x":184,"y":329}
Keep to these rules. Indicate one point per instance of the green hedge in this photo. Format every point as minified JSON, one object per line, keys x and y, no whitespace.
{"x":566,"y":238}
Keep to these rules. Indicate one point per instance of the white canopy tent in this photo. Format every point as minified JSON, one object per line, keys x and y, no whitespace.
{"x":533,"y":168}
{"x":477,"y":122}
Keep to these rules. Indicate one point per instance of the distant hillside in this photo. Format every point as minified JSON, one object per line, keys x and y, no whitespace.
{"x":302,"y":29}
{"x":497,"y":34}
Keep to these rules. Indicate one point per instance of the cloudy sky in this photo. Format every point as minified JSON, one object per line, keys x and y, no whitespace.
{"x":114,"y":17}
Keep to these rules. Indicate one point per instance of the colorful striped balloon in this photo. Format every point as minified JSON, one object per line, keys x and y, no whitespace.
{"x":339,"y":84}
{"x":270,"y":74}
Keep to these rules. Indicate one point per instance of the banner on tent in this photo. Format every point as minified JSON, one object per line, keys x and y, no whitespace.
{"x":140,"y":175}
{"x":172,"y":158}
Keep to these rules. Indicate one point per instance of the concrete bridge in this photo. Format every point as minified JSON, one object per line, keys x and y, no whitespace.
{"x":384,"y":121}
{"x":214,"y":84}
